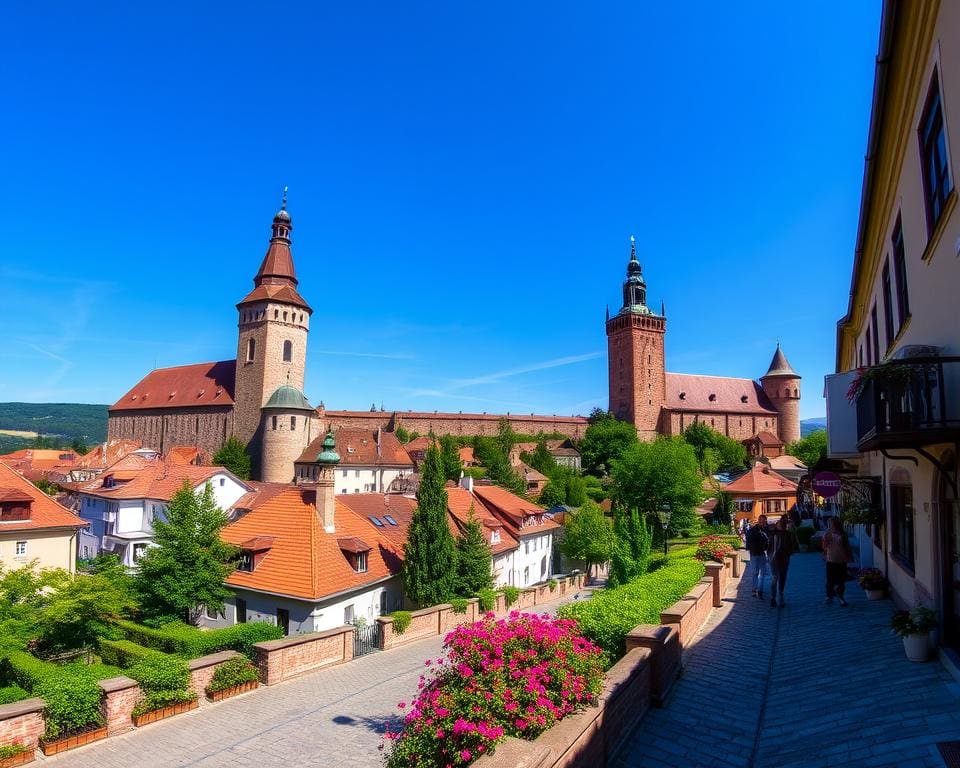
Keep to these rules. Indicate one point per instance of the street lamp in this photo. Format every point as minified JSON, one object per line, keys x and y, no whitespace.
{"x":666,"y":509}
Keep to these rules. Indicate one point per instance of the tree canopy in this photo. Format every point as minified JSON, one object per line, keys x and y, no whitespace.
{"x":233,"y":456}
{"x":430,"y":555}
{"x":810,"y":449}
{"x":189,"y":562}
{"x":715,"y":451}
{"x":603,"y":442}
{"x":588,"y":535}
{"x":649,"y":475}
{"x":631,"y":547}
{"x":473,"y":559}
{"x":450,"y":458}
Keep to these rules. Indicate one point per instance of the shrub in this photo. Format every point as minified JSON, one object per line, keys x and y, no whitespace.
{"x":71,"y":694}
{"x":190,"y":642}
{"x":552,"y":584}
{"x":871,"y":578}
{"x":804,"y":534}
{"x":712,"y":548}
{"x":401,"y":620}
{"x":12,"y":750}
{"x":612,"y":613}
{"x":232,"y":673}
{"x":487,"y":599}
{"x":915,"y":621}
{"x":510,"y":595}
{"x":459,"y":604}
{"x":123,"y":653}
{"x":165,"y":680}
{"x":500,"y":678}
{"x":12,"y":693}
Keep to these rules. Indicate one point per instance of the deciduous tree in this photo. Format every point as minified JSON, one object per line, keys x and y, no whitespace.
{"x":588,"y":535}
{"x":604,"y":442}
{"x":450,"y":458}
{"x":810,"y":449}
{"x":631,"y":547}
{"x":233,"y":456}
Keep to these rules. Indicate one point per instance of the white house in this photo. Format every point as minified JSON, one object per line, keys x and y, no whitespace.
{"x":369,"y":461}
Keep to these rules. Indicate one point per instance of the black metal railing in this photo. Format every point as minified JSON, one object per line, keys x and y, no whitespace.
{"x":909,"y":403}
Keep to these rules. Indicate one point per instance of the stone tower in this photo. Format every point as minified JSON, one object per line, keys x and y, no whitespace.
{"x":782,"y":385}
{"x":285,"y":432}
{"x":635,"y":353}
{"x":272,"y":340}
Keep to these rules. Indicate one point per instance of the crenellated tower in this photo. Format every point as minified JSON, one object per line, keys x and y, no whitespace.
{"x":782,"y":386}
{"x":635,"y":352}
{"x":272,"y":340}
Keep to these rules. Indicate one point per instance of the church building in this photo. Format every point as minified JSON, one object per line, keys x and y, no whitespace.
{"x":661,"y":403}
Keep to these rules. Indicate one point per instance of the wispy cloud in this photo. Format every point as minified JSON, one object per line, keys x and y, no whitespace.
{"x":498,"y":376}
{"x":377,"y":355}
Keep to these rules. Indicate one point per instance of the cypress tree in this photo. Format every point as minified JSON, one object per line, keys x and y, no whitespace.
{"x":473,"y":559}
{"x":430,"y":555}
{"x":233,"y":456}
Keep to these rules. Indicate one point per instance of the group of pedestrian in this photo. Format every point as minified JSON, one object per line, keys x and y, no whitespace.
{"x":770,"y":547}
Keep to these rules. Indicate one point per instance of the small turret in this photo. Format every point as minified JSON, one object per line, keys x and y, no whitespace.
{"x":782,"y":386}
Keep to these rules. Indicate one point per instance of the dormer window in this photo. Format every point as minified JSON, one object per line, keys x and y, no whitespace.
{"x":360,"y":562}
{"x":683,"y":395}
{"x":245,"y":562}
{"x":356,"y":551}
{"x":712,"y":398}
{"x":252,"y":552}
{"x":14,"y":509}
{"x":494,"y":537}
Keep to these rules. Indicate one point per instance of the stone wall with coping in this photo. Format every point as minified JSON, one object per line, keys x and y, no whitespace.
{"x":119,"y":696}
{"x":279,"y":660}
{"x":690,"y":612}
{"x":202,"y":669}
{"x":22,"y":723}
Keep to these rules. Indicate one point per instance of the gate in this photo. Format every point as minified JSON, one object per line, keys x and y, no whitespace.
{"x":366,"y":639}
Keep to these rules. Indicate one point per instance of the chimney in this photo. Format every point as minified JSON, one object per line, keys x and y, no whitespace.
{"x":467,"y":482}
{"x":326,"y":499}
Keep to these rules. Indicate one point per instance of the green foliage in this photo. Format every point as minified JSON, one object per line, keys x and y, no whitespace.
{"x":587,"y":535}
{"x":23,"y":593}
{"x":810,"y":449}
{"x":402,"y":435}
{"x":46,"y":486}
{"x":552,"y":584}
{"x":631,"y":549}
{"x":450,"y":458}
{"x":233,"y":456}
{"x":459,"y":604}
{"x":714,"y":451}
{"x":189,"y":642}
{"x":487,"y":599}
{"x":123,"y":653}
{"x":68,"y":420}
{"x":612,"y":613}
{"x":12,"y":750}
{"x":552,"y":495}
{"x":430,"y":553}
{"x":187,"y":567}
{"x":12,"y":693}
{"x":604,"y":442}
{"x":723,"y":511}
{"x":165,"y":680}
{"x":473,"y":559}
{"x":510,"y":595}
{"x":576,"y":490}
{"x":231,"y":674}
{"x":401,"y":620}
{"x":496,"y":461}
{"x":541,"y":459}
{"x":664,"y":471}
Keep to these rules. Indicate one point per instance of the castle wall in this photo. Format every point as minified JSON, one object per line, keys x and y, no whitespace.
{"x":738,"y":426}
{"x":784,"y":393}
{"x":466,"y":425}
{"x":161,"y":429}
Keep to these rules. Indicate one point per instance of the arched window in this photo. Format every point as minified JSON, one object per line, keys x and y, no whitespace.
{"x":276,"y":314}
{"x":284,"y":317}
{"x":287,"y":351}
{"x":293,"y":423}
{"x":274,"y":423}
{"x":251,"y":349}
{"x":796,"y":393}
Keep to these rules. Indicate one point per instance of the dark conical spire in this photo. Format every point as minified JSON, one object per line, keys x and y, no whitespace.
{"x":779,"y":365}
{"x":634,"y":287}
{"x":277,"y":265}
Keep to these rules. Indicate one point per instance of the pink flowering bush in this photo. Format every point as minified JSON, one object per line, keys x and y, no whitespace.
{"x":713,"y":548}
{"x":512,"y":677}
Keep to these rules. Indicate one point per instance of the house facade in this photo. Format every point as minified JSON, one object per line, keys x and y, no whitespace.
{"x":369,"y":461}
{"x":761,"y":491}
{"x":893,"y":405}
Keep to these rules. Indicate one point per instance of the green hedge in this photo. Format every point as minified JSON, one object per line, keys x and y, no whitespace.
{"x":123,"y":653}
{"x":401,"y":620}
{"x":12,"y":693}
{"x":70,"y":691}
{"x":510,"y":595}
{"x":190,"y":642}
{"x":612,"y":613}
{"x":459,"y":604}
{"x":165,"y":680}
{"x":487,"y":599}
{"x":232,"y":673}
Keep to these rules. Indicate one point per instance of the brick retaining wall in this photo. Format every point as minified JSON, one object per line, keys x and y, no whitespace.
{"x":22,"y":723}
{"x":279,"y":660}
{"x":202,"y":669}
{"x":120,"y":695}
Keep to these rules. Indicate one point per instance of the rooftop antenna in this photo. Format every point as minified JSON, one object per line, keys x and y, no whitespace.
{"x":283,"y":200}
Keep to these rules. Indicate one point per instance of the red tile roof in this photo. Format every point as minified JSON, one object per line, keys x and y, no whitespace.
{"x":44,"y":511}
{"x":358,"y":447}
{"x":284,"y":294}
{"x":765,"y":438}
{"x":156,"y":481}
{"x":459,"y":503}
{"x":108,"y":453}
{"x":183,"y":386}
{"x":513,"y":510}
{"x":185,"y":454}
{"x":720,"y":394}
{"x":304,"y":561}
{"x":379,"y":505}
{"x":762,"y":480}
{"x":38,"y":463}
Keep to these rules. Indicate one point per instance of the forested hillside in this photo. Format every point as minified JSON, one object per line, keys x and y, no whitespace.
{"x":23,"y":425}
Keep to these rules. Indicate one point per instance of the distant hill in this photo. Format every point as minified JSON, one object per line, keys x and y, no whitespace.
{"x":812,"y":425}
{"x":22,"y":423}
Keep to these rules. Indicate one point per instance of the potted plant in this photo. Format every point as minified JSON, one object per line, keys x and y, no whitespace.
{"x":15,"y":754}
{"x":873,"y":582}
{"x":891,"y":373}
{"x":914,"y":627}
{"x":231,"y":678}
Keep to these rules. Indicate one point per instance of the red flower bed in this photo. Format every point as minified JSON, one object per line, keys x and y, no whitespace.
{"x":512,"y":677}
{"x":713,"y":548}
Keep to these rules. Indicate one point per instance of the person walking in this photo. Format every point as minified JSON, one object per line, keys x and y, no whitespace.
{"x":836,"y":553}
{"x":756,"y":543}
{"x":779,"y":548}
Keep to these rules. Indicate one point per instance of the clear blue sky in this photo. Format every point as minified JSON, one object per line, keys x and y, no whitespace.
{"x":464,"y":179}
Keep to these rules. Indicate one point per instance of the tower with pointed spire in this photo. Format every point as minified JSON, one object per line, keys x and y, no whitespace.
{"x":271,"y":348}
{"x":635,"y":355}
{"x":781,"y":384}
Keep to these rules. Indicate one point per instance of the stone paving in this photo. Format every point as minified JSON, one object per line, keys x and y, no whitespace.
{"x":333,"y":718}
{"x":805,"y":685}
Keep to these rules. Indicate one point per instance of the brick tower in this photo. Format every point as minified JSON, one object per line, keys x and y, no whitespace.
{"x":272,"y":340}
{"x":636,"y":377}
{"x":782,"y":385}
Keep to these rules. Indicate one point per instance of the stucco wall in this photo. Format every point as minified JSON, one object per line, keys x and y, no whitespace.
{"x":52,"y":549}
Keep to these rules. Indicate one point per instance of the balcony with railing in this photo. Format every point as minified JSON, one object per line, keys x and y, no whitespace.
{"x":908,"y":403}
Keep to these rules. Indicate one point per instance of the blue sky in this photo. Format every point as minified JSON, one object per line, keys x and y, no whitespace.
{"x":463,"y":181}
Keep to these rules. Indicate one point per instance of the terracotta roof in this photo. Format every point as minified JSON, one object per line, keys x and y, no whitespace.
{"x":358,"y":447}
{"x":108,"y":453}
{"x":44,"y":511}
{"x":185,"y":454}
{"x":512,"y":510}
{"x":183,"y":386}
{"x":283,"y":294}
{"x":786,"y":461}
{"x":378,"y":505}
{"x":761,"y":479}
{"x":765,"y":438}
{"x":419,"y":444}
{"x":491,"y":417}
{"x":257,"y":495}
{"x":459,"y":502}
{"x":257,"y":543}
{"x":304,"y":561}
{"x":157,"y":481}
{"x":353,"y":544}
{"x":37,"y":463}
{"x":779,"y":366}
{"x":466,"y":455}
{"x":720,"y":394}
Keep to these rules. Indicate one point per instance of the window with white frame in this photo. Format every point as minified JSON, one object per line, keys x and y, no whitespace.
{"x":21,"y":548}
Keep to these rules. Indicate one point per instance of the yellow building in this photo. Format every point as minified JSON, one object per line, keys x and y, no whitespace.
{"x":34,"y":527}
{"x":893,"y":407}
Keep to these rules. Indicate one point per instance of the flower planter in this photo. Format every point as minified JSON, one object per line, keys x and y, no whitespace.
{"x":226,"y":693}
{"x":164,"y":712}
{"x":71,"y":742}
{"x":917,"y":646}
{"x":874,"y":594}
{"x":14,"y":760}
